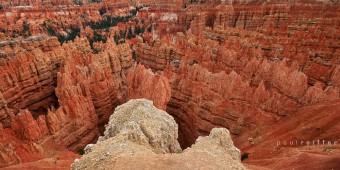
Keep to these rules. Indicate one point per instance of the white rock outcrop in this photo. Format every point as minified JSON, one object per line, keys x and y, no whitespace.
{"x":140,"y":136}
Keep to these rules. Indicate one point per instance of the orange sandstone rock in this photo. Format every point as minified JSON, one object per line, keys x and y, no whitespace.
{"x":143,"y":83}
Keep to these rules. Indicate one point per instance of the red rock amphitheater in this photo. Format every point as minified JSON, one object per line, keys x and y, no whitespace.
{"x":268,"y":71}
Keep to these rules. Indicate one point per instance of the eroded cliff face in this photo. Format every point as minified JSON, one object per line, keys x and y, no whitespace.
{"x":145,"y":84}
{"x":28,"y":74}
{"x":56,"y":94}
{"x":255,"y":61}
{"x":247,"y":68}
{"x":63,"y":95}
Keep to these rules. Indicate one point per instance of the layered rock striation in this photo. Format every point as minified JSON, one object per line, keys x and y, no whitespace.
{"x":63,"y":95}
{"x":237,"y":63}
{"x":254,"y":67}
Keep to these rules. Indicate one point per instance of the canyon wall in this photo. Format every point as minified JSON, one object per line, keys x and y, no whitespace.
{"x":256,"y":62}
{"x":246,"y":66}
{"x":29,"y":83}
{"x":63,"y":95}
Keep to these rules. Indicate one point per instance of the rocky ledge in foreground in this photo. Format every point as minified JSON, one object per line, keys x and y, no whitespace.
{"x":141,"y":136}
